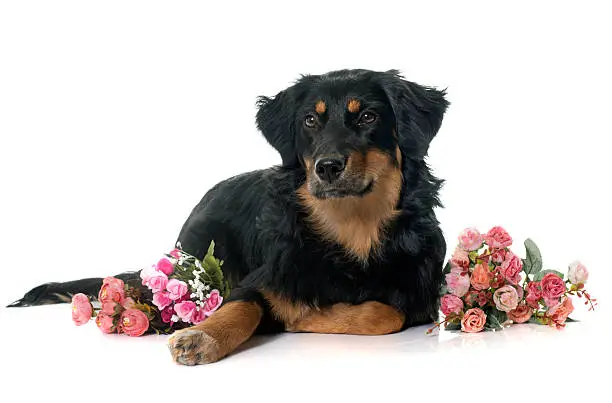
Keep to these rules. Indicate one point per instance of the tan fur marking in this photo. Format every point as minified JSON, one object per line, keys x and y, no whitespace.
{"x":320,"y":107}
{"x":368,"y":318}
{"x":354,"y":105}
{"x":284,"y":310}
{"x":308,"y":162}
{"x":357,"y":223}
{"x":219,"y":335}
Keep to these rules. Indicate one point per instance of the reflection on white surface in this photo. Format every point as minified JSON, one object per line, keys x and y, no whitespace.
{"x":43,"y":345}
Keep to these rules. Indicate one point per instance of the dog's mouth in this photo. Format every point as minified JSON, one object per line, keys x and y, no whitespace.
{"x":340,"y":192}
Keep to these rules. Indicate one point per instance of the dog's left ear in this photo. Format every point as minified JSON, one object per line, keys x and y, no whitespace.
{"x":276,"y":120}
{"x":418,"y":112}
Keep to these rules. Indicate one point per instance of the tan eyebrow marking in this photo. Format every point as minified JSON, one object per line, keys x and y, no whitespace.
{"x":354,"y":105}
{"x":320,"y":107}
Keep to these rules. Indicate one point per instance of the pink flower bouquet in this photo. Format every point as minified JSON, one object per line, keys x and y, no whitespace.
{"x":488,"y":286}
{"x":177,"y":291}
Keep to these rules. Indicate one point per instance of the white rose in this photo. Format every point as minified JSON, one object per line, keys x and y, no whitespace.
{"x":577,"y":273}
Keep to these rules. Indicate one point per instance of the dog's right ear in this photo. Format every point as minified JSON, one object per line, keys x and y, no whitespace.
{"x":276,"y":120}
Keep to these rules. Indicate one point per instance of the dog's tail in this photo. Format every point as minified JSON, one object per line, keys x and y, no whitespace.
{"x":59,"y":293}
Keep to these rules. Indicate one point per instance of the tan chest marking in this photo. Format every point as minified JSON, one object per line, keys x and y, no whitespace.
{"x":358,"y":223}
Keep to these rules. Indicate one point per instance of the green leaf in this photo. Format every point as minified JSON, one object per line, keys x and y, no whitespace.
{"x":495,"y":318}
{"x":569,"y":320}
{"x":473,"y":255}
{"x":447,"y":268}
{"x":452,"y":326}
{"x":532,"y":264}
{"x":493,"y":323}
{"x":540,"y":275}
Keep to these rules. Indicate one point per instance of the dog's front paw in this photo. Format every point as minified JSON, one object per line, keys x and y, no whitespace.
{"x":193,"y":347}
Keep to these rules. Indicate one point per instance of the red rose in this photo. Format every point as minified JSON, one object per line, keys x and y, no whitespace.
{"x":498,"y":238}
{"x":498,"y":256}
{"x":553,"y":286}
{"x":498,"y":278}
{"x":511,"y":268}
{"x":534,"y":293}
{"x":166,"y":314}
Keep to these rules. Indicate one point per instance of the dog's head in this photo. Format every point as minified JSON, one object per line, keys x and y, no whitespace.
{"x":347,"y":128}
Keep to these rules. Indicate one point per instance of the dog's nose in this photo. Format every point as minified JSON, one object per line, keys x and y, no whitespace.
{"x":329,"y":169}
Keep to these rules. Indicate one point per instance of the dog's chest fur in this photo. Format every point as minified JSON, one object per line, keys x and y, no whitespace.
{"x":356,"y":223}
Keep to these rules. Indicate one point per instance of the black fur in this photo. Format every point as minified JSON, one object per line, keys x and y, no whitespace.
{"x":260,"y":228}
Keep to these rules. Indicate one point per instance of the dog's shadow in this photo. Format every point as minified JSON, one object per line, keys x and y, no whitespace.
{"x":256,"y":341}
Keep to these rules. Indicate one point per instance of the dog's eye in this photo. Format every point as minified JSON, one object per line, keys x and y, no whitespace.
{"x":310,"y":121}
{"x":367,"y":118}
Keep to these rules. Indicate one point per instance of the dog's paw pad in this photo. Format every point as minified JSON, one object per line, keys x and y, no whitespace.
{"x":193,"y":347}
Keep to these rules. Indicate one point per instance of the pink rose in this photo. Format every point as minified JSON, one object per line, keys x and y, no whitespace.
{"x":470,"y":239}
{"x":498,"y":238}
{"x":519,"y":291}
{"x":185,"y":310}
{"x":511,"y":268}
{"x":558,"y":314}
{"x":175,"y":253}
{"x":114,"y":283}
{"x":460,"y":258}
{"x":105,"y":323}
{"x":553,"y":287}
{"x":155,"y":280}
{"x":162,"y":299}
{"x":112,"y":289}
{"x":451,"y":304}
{"x":459,"y":270}
{"x":108,"y":308}
{"x":147,"y":273}
{"x":81,"y":309}
{"x":577,"y":273}
{"x":176,"y":289}
{"x":166,"y":314}
{"x":481,"y":277}
{"x":457,"y":284}
{"x":198,"y":316}
{"x":505,"y":298}
{"x":520,"y":314}
{"x":134,"y":322}
{"x":499,"y":255}
{"x":128,"y":303}
{"x":534,"y":293}
{"x":213,"y":302}
{"x":165,"y":266}
{"x":473,"y":321}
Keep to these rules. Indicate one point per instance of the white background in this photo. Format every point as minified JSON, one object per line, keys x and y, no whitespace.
{"x":116,"y":117}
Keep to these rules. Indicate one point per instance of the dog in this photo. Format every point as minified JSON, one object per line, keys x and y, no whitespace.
{"x":339,"y":238}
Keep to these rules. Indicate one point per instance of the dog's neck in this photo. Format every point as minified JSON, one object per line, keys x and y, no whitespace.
{"x":356,"y":223}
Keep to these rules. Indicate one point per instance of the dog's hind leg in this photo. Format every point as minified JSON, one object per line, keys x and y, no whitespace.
{"x":368,"y":318}
{"x":219,"y":335}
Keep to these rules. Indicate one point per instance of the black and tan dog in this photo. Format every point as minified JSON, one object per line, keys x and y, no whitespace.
{"x":341,"y":238}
